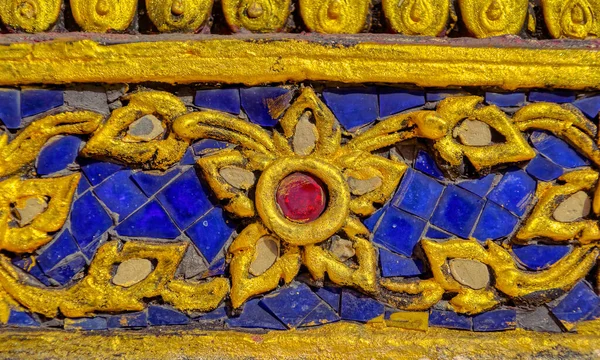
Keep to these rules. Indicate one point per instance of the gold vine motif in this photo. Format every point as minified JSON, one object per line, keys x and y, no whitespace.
{"x":276,"y":155}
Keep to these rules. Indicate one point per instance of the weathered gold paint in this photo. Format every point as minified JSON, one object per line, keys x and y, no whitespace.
{"x":256,"y":15}
{"x":103,"y":15}
{"x":335,"y":16}
{"x":178,"y":15}
{"x":486,"y":18}
{"x":417,"y":17}
{"x":576,"y":19}
{"x":30,"y":15}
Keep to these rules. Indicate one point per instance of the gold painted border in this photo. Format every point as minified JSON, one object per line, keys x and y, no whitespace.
{"x":253,"y":60}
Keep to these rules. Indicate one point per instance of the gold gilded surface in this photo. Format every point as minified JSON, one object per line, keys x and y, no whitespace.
{"x":576,"y":19}
{"x":30,"y":15}
{"x":335,"y":16}
{"x":178,"y":15}
{"x":417,"y":17}
{"x":486,"y":18}
{"x":256,"y":15}
{"x":103,"y":15}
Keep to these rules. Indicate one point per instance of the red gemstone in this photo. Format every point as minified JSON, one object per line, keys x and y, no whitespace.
{"x":301,"y":197}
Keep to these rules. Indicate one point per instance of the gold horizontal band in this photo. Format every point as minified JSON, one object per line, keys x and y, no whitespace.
{"x":254,"y":60}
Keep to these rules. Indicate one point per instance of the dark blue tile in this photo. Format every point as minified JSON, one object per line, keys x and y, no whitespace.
{"x":227,"y":100}
{"x":425,"y":163}
{"x":219,"y":313}
{"x":579,"y":303}
{"x":159,"y":315}
{"x":371,"y":221}
{"x":27,"y":264}
{"x":539,"y":257}
{"x":594,"y":315}
{"x":90,"y":251}
{"x":188,"y":158}
{"x":399,"y":231}
{"x":353,"y":107}
{"x":496,"y":320}
{"x":358,"y":307}
{"x":590,"y":106}
{"x":392,"y":100}
{"x":441,"y":94}
{"x":557,"y":150}
{"x":559,"y":97}
{"x":149,"y":221}
{"x":433,"y":233}
{"x":120,"y":194}
{"x":495,"y":222}
{"x":418,"y":194}
{"x":36,"y":101}
{"x":185,"y":199}
{"x":64,"y":273}
{"x":206,"y":146}
{"x":210,"y":233}
{"x":505,"y":100}
{"x":291,"y":304}
{"x":514,"y":192}
{"x":216,"y":269}
{"x":131,"y":320}
{"x":254,"y":316}
{"x":152,"y":182}
{"x":83,"y":185}
{"x":256,"y":102}
{"x":543,"y":169}
{"x":10,"y":111}
{"x":457,"y":211}
{"x":95,"y":323}
{"x":89,"y":220}
{"x":322,"y":314}
{"x":478,"y":187}
{"x":450,"y":320}
{"x":331,"y":295}
{"x":21,"y":318}
{"x":63,"y":246}
{"x":58,"y":154}
{"x":396,"y":265}
{"x":97,"y":171}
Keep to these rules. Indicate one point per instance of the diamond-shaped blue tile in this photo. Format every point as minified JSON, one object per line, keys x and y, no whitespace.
{"x":457,"y":211}
{"x":539,"y":257}
{"x":579,"y":303}
{"x":396,"y":265}
{"x":392,"y":100}
{"x":399,"y":231}
{"x":21,"y":319}
{"x":58,"y":154}
{"x":331,"y":295}
{"x":291,"y":304}
{"x":425,"y":163}
{"x":131,"y":320}
{"x":65,"y":272}
{"x":151,"y":220}
{"x":353,"y":107}
{"x":358,"y":307}
{"x":505,"y":100}
{"x":210,"y":233}
{"x":495,"y":320}
{"x":36,"y":101}
{"x":95,"y":323}
{"x":478,"y":187}
{"x":590,"y":106}
{"x":514,"y":192}
{"x":97,"y":171}
{"x":255,"y":316}
{"x":152,"y":182}
{"x":185,"y":199}
{"x":559,"y":97}
{"x":418,"y":194}
{"x":63,"y":246}
{"x":207,"y":146}
{"x":543,"y":169}
{"x":161,"y":315}
{"x":258,"y":101}
{"x":10,"y":111}
{"x":450,"y":320}
{"x":227,"y":100}
{"x":495,"y":222}
{"x":557,"y":150}
{"x":322,"y":314}
{"x":120,"y":194}
{"x":89,"y":220}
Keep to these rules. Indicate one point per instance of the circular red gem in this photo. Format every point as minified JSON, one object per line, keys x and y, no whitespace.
{"x":301,"y":197}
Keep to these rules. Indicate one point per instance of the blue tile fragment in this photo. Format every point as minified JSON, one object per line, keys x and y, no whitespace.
{"x":63,"y":246}
{"x":457,"y":211}
{"x":131,"y":320}
{"x":185,"y":199}
{"x":543,"y":169}
{"x":590,"y":106}
{"x":151,"y":221}
{"x":188,"y":158}
{"x":441,"y":94}
{"x":206,"y":146}
{"x":219,"y":313}
{"x":425,"y":163}
{"x":97,"y":171}
{"x":371,"y":221}
{"x":579,"y":303}
{"x":58,"y":154}
{"x":331,"y":295}
{"x":120,"y":194}
{"x":89,"y":220}
{"x":557,"y":150}
{"x":227,"y":100}
{"x":393,"y":101}
{"x":36,"y":101}
{"x":10,"y":110}
{"x":91,"y":249}
{"x":291,"y":304}
{"x":396,"y":265}
{"x":358,"y":307}
{"x":418,"y":194}
{"x":450,"y":320}
{"x":21,"y":319}
{"x":210,"y":233}
{"x":514,"y":192}
{"x":494,"y":223}
{"x":34,"y":270}
{"x":559,"y":97}
{"x":64,"y":273}
{"x":160,"y":315}
{"x":353,"y":107}
{"x":322,"y":314}
{"x":539,"y":257}
{"x":83,"y":185}
{"x":95,"y":323}
{"x":152,"y":182}
{"x":257,"y":101}
{"x":495,"y":320}
{"x":255,"y":316}
{"x":216,"y":269}
{"x":505,"y":100}
{"x":399,"y":231}
{"x":433,"y":233}
{"x":480,"y":186}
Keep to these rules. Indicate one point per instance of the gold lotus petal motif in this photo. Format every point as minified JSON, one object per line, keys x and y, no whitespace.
{"x":417,"y":17}
{"x":576,"y":19}
{"x":103,"y":15}
{"x":178,"y":15}
{"x":30,"y":15}
{"x":256,"y":15}
{"x":486,"y":18}
{"x":335,"y":16}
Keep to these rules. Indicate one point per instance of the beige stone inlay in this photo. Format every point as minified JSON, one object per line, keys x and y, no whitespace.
{"x":473,"y":133}
{"x":305,"y":136}
{"x":342,"y":248}
{"x":146,"y":128}
{"x":131,"y":272}
{"x":360,"y":187}
{"x":267,"y":252}
{"x":573,"y":208}
{"x":28,"y":209}
{"x":470,"y":273}
{"x":238,"y":177}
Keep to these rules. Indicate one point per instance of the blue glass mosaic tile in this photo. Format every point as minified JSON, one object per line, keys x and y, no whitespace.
{"x":505,"y":100}
{"x":357,"y":307}
{"x":58,"y":154}
{"x":255,"y":102}
{"x":559,"y":97}
{"x":89,"y":220}
{"x":457,"y":211}
{"x":393,"y":101}
{"x":579,"y":303}
{"x":188,"y":158}
{"x":210,"y":233}
{"x":371,"y":221}
{"x":353,"y":107}
{"x":544,"y":169}
{"x":65,"y":272}
{"x":21,"y":319}
{"x":495,"y":222}
{"x":161,"y":315}
{"x":227,"y":100}
{"x":97,"y":171}
{"x":425,"y":163}
{"x":216,"y":269}
{"x":399,"y":231}
{"x":433,"y":233}
{"x":292,"y":304}
{"x":37,"y":101}
{"x":441,"y":94}
{"x":219,"y":313}
{"x":331,"y":295}
{"x":480,"y":186}
{"x":322,"y":314}
{"x":539,"y":257}
{"x":131,"y":320}
{"x":63,"y":246}
{"x":418,"y":194}
{"x":120,"y":194}
{"x":396,"y":265}
{"x":450,"y":320}
{"x":83,"y":185}
{"x":514,"y":192}
{"x":33,"y":269}
{"x":255,"y":316}
{"x":95,"y":323}
{"x":496,"y":320}
{"x":10,"y":111}
{"x":151,"y":220}
{"x":590,"y":106}
{"x":557,"y":150}
{"x":152,"y":182}
{"x":208,"y":145}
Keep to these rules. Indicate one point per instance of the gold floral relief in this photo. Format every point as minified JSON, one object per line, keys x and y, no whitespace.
{"x":487,"y":18}
{"x":178,"y":15}
{"x":417,"y":17}
{"x":103,"y":15}
{"x":575,"y":19}
{"x":30,"y":15}
{"x":335,"y":16}
{"x":256,"y":15}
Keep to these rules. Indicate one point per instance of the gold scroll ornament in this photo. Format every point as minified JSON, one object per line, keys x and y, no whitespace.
{"x":30,"y":15}
{"x":417,"y":17}
{"x":486,"y":18}
{"x":575,"y":19}
{"x":103,"y":15}
{"x":335,"y":16}
{"x":256,"y":15}
{"x":178,"y":15}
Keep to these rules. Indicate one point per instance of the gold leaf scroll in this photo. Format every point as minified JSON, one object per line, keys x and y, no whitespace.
{"x":178,"y":15}
{"x":417,"y":17}
{"x":103,"y":15}
{"x":576,"y":19}
{"x":30,"y":15}
{"x":256,"y":15}
{"x":486,"y":18}
{"x":335,"y":16}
